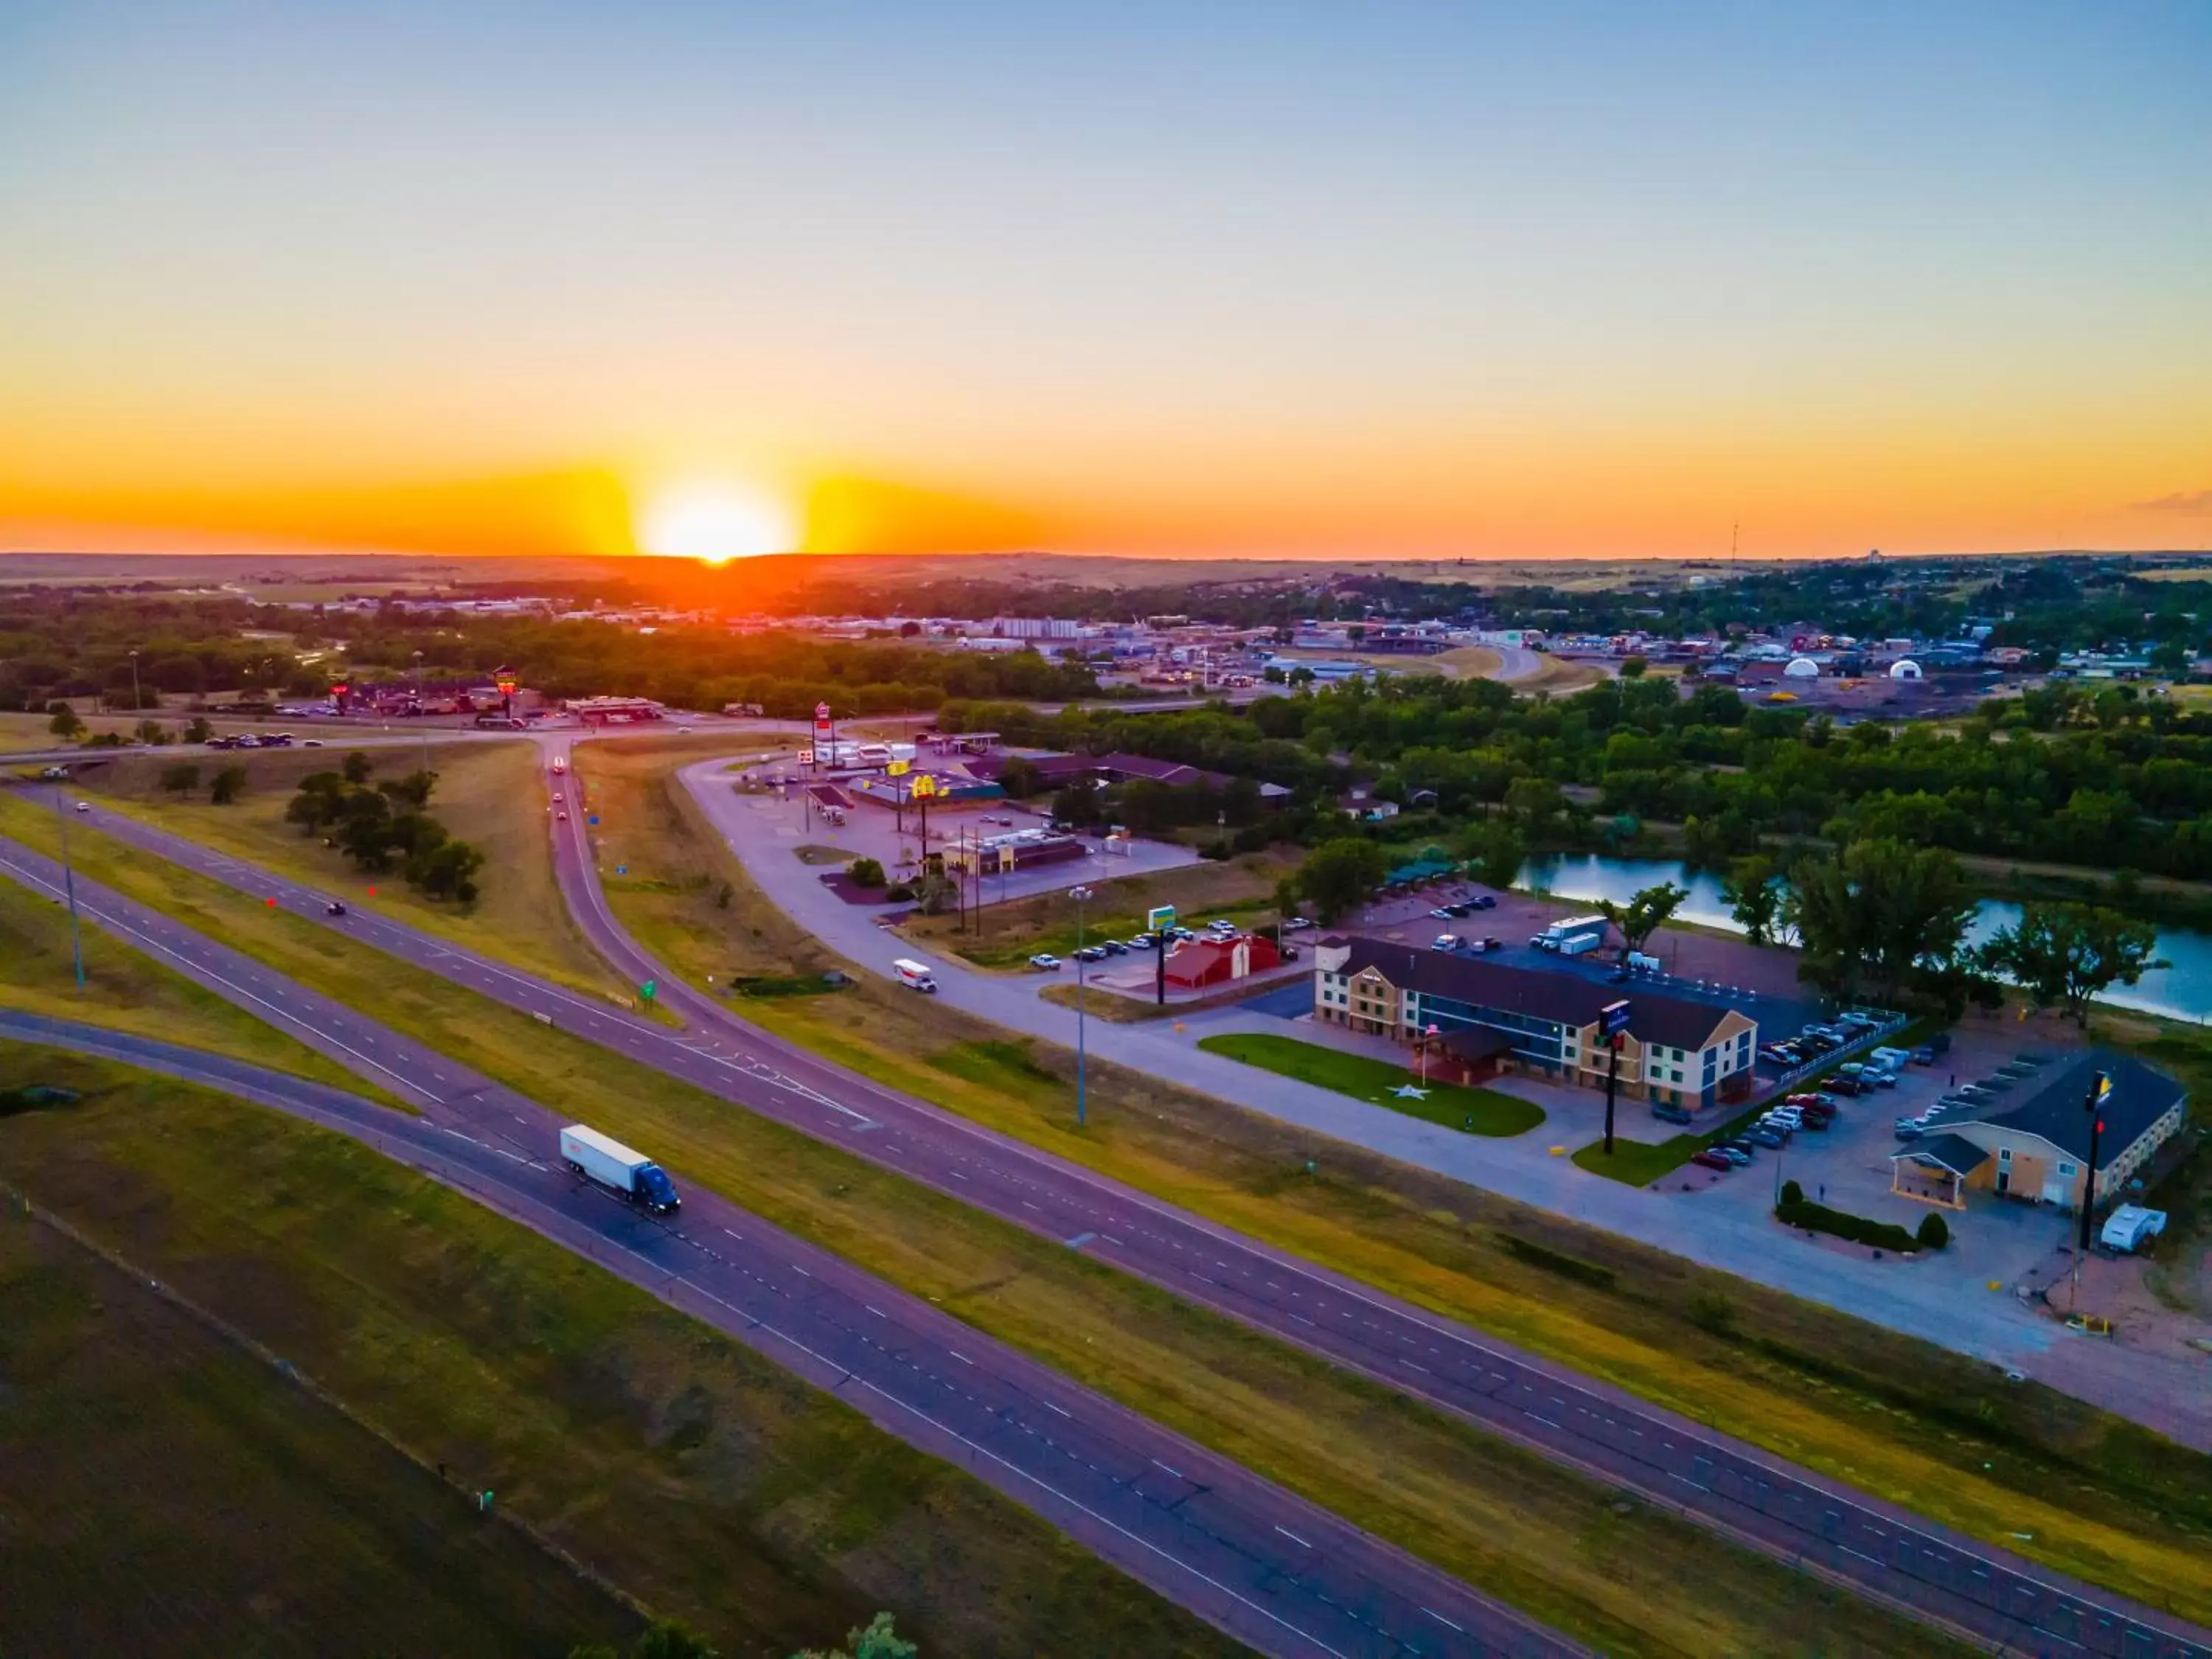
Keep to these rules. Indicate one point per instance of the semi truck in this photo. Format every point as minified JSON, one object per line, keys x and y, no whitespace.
{"x":630,"y":1175}
{"x":914,"y":976}
{"x":1572,"y":936}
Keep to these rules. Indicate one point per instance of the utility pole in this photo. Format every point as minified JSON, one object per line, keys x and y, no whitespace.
{"x":1082,"y":897}
{"x":419,"y":714}
{"x":2100,"y":1090}
{"x":69,"y":887}
{"x":136,"y":704}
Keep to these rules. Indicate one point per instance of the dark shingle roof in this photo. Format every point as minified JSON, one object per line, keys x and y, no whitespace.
{"x":1675,"y":1022}
{"x":1953,"y":1152}
{"x":2048,"y":1102}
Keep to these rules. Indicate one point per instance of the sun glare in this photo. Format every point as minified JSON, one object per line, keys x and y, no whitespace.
{"x":716,"y":523}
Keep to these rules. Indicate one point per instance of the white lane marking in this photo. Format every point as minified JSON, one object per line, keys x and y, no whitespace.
{"x":1294,"y":1538}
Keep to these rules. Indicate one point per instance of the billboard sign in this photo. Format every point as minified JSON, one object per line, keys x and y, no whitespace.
{"x":1160,"y":918}
{"x":1612,"y":1019}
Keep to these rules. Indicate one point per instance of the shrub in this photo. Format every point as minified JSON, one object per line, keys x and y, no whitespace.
{"x":1710,"y":1311}
{"x":866,"y":873}
{"x":1819,"y":1219}
{"x":1934,"y":1232}
{"x":1792,"y":1192}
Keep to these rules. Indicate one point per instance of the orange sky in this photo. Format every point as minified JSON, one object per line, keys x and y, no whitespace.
{"x":1287,"y":285}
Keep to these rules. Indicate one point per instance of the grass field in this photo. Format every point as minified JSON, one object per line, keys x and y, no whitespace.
{"x":1907,"y":1421}
{"x":128,"y":991}
{"x":1476,"y":1111}
{"x":703,"y":1480}
{"x":170,"y":1494}
{"x":1545,"y":1538}
{"x":488,"y":793}
{"x":1006,"y":935}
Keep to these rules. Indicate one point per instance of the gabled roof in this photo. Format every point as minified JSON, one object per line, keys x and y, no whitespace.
{"x":1675,"y":1022}
{"x":1953,"y":1152}
{"x":2047,"y":1102}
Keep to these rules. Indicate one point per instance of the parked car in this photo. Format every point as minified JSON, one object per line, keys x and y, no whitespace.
{"x":1046,"y":960}
{"x":1445,"y":942}
{"x":1297,"y":924}
{"x":1766,"y":1137}
{"x":1736,"y":1155}
{"x":1113,"y":947}
{"x":1091,"y":953}
{"x":1441,"y":913}
{"x":1909,"y":1129}
{"x":1459,"y":909}
{"x":1712,"y":1160}
{"x":1485,"y":902}
{"x":1923,"y":1055}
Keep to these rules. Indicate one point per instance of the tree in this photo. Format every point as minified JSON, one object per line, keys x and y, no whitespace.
{"x":1496,"y":849}
{"x":413,"y":790}
{"x":153,"y":732}
{"x":666,"y":1639}
{"x":226,"y":786}
{"x":1020,"y":779}
{"x":1933,"y":1232}
{"x":2064,"y":955}
{"x":1876,"y":913}
{"x":180,"y":780}
{"x":447,"y":870}
{"x":196,"y":729}
{"x":1337,"y":874}
{"x":1645,"y":913}
{"x":1633,"y":668}
{"x":866,"y":873}
{"x":357,"y":767}
{"x":66,"y":722}
{"x":877,"y":1640}
{"x":1753,"y":888}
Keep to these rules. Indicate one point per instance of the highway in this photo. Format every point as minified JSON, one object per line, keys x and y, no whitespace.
{"x":1988,"y":1596}
{"x":1281,"y":1575}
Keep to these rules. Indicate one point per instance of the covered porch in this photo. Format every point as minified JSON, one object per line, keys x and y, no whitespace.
{"x":1935,"y":1171}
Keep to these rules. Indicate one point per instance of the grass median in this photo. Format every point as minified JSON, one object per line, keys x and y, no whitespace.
{"x":1918,"y":1425}
{"x":487,"y":794}
{"x":1538,"y":1536}
{"x":701,"y":1479}
{"x":126,"y":990}
{"x":1379,"y":1082}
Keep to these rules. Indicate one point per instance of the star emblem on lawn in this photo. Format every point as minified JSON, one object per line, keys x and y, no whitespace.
{"x":1407,"y":1091}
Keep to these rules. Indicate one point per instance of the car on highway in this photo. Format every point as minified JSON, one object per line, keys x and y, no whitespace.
{"x":560,"y":817}
{"x":335,"y":907}
{"x":1046,"y":960}
{"x":311,"y":743}
{"x":55,"y":774}
{"x":84,"y":807}
{"x":1710,"y":1160}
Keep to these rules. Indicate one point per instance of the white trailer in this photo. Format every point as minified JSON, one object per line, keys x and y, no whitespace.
{"x":629,"y":1175}
{"x":914,"y":976}
{"x":2130,"y":1227}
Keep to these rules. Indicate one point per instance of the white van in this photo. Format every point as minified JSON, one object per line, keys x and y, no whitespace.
{"x":914,"y":976}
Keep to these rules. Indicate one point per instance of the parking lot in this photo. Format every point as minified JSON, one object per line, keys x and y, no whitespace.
{"x":1847,"y":1168}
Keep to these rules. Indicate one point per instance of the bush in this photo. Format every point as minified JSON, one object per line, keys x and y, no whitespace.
{"x":1792,"y":1192}
{"x":1551,"y":1260}
{"x":1819,"y":1219}
{"x":866,"y":873}
{"x":1710,"y":1311}
{"x":1934,"y":1232}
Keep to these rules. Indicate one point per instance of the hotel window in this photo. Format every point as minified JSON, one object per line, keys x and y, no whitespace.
{"x":2004,"y":1155}
{"x":2067,"y":1170}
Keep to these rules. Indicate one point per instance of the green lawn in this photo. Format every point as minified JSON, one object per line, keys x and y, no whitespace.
{"x":1475,"y":1111}
{"x":211,"y":1507}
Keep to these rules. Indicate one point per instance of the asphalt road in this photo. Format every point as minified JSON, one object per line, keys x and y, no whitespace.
{"x":1281,"y":1575}
{"x":1880,"y":1551}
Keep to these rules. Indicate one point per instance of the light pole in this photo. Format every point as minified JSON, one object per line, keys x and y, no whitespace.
{"x":2100,"y":1090}
{"x":135,"y":702}
{"x":424,"y":730}
{"x":69,"y":887}
{"x":1081,"y":895}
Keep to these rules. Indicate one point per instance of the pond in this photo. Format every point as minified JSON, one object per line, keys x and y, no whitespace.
{"x":2182,"y":991}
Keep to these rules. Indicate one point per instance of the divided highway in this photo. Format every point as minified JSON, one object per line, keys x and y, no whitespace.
{"x":1988,"y":1596}
{"x":1281,"y":1575}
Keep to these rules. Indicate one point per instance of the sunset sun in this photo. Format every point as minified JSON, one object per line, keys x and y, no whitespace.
{"x":714,"y":523}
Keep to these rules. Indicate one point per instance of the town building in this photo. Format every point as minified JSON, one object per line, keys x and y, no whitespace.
{"x":1198,"y":963}
{"x":1677,"y":1051}
{"x":2024,"y":1132}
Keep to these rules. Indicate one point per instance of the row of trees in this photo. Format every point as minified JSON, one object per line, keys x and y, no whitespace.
{"x":665,"y":1639}
{"x":387,"y":825}
{"x":1884,"y":918}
